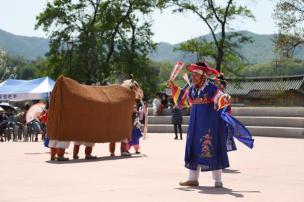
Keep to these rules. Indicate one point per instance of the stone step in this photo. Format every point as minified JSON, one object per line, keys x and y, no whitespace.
{"x":165,"y":119}
{"x":286,"y":132}
{"x":297,"y":122}
{"x":269,"y":111}
{"x":167,"y":112}
{"x":253,"y":111}
{"x":164,"y":128}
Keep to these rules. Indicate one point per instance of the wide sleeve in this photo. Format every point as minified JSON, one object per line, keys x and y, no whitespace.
{"x":180,"y":95}
{"x":221,"y":99}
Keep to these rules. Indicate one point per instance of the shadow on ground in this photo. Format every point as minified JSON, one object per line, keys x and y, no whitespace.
{"x":105,"y":158}
{"x":38,"y":153}
{"x":35,"y":153}
{"x":231,"y":171}
{"x":217,"y":191}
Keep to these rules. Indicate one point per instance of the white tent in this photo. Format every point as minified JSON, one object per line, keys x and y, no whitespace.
{"x":18,"y":90}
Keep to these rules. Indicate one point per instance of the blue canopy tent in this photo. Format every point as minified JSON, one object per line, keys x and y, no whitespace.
{"x":18,"y":90}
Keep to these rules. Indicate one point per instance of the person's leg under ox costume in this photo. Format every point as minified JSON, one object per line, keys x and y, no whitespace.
{"x":58,"y":147}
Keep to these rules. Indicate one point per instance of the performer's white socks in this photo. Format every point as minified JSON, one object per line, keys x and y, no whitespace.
{"x":217,"y":175}
{"x":194,"y":174}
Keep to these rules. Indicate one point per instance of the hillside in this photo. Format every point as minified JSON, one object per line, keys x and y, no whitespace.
{"x":27,"y":47}
{"x":260,"y":51}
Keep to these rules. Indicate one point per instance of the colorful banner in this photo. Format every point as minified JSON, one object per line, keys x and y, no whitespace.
{"x":180,"y":96}
{"x":186,"y":78}
{"x":176,"y":70}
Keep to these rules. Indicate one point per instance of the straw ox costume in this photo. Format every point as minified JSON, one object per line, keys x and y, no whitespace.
{"x":90,"y":114}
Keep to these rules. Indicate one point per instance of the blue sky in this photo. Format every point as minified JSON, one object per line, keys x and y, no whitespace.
{"x":18,"y":17}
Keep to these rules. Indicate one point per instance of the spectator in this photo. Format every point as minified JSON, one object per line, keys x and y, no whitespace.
{"x":156,"y":105}
{"x":177,"y":121}
{"x":164,"y":101}
{"x":43,"y":120}
{"x":3,"y":123}
{"x":143,"y":110}
{"x":21,"y":118}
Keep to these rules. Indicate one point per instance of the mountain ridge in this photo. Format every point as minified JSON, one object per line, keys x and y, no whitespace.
{"x":29,"y":47}
{"x":33,"y":47}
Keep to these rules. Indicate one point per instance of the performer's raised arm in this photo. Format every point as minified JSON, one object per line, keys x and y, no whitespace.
{"x":179,"y":95}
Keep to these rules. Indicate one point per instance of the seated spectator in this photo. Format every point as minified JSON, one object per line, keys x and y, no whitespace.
{"x":157,"y":105}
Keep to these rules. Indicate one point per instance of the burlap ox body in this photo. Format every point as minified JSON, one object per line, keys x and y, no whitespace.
{"x":89,"y":113}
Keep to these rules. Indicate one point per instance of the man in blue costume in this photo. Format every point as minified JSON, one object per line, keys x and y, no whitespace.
{"x":206,"y":145}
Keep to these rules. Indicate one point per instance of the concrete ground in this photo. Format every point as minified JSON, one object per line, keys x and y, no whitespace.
{"x":272,"y":171}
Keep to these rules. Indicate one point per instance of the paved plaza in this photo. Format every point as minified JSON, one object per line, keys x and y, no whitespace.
{"x":272,"y":171}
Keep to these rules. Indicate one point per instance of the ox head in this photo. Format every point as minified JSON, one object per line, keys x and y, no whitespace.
{"x":134,"y":86}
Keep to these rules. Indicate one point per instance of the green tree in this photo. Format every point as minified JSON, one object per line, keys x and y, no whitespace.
{"x":285,"y":67}
{"x":289,"y":16}
{"x":218,"y":18}
{"x":109,"y":37}
{"x":41,"y":67}
{"x":6,"y":71}
{"x":25,"y":69}
{"x":201,"y":48}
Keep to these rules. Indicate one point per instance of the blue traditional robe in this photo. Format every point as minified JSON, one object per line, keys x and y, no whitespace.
{"x":136,"y":135}
{"x":210,"y":136}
